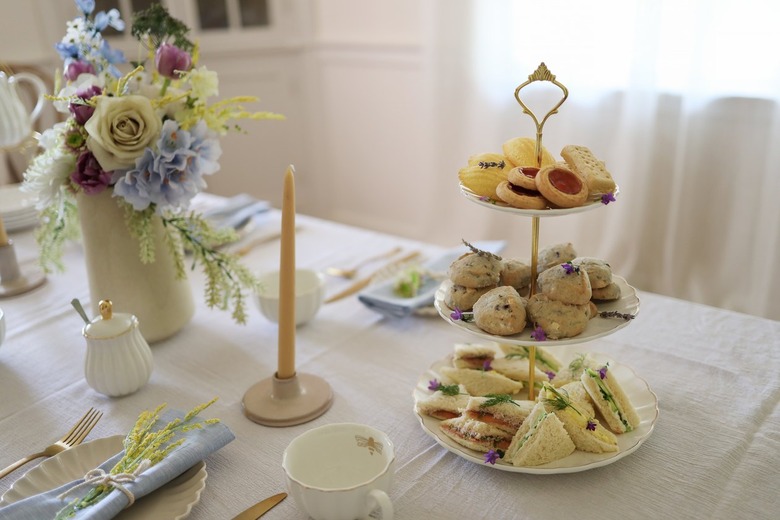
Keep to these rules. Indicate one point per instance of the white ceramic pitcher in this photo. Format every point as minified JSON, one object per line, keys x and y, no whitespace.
{"x":15,"y":119}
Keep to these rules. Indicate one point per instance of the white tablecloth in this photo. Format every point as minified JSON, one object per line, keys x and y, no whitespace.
{"x":715,"y":451}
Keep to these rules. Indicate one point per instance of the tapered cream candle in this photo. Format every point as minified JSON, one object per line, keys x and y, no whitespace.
{"x":286,"y":345}
{"x":3,"y":235}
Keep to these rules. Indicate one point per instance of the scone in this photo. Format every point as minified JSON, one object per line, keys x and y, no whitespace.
{"x":464,"y":298}
{"x":554,"y":255}
{"x":515,"y":273}
{"x":475,"y":271}
{"x":557,"y":319}
{"x":565,"y":283}
{"x":599,"y":272}
{"x":609,"y":293}
{"x":500,"y":311}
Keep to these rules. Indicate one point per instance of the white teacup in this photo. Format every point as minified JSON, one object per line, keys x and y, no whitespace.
{"x":309,"y":293}
{"x":341,"y":471}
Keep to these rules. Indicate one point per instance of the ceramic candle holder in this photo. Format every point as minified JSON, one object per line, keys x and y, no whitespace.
{"x":309,"y":294}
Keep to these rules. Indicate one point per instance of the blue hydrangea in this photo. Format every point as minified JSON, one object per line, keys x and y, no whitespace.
{"x":173,"y":174}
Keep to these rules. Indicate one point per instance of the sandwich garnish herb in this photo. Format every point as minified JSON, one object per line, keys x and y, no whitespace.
{"x":436,"y":385}
{"x":578,"y":363}
{"x":559,"y":401}
{"x":616,"y":314}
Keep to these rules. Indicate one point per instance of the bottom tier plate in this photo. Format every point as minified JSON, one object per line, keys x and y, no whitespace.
{"x":638,"y":391}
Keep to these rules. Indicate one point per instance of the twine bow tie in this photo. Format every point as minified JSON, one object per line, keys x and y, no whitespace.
{"x":98,"y":477}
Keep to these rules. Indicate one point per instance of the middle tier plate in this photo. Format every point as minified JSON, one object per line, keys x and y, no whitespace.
{"x":597,"y":327}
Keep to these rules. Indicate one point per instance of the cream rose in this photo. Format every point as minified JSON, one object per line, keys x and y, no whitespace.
{"x":120,"y":130}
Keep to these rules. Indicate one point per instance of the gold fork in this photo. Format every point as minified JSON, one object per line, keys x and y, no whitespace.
{"x":350,"y":273}
{"x":73,"y":438}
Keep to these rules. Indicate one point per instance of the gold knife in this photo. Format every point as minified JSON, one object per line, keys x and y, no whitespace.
{"x":360,"y":284}
{"x":261,"y":508}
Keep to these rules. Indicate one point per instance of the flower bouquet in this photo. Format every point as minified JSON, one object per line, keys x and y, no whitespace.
{"x":149,"y":137}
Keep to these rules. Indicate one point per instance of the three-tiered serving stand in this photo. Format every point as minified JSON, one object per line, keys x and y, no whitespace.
{"x":612,"y":315}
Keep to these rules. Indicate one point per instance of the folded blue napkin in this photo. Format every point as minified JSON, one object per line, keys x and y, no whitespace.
{"x":199,"y":444}
{"x":382,"y":299}
{"x":236,"y":211}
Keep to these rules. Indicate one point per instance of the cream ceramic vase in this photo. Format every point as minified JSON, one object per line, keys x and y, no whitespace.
{"x":118,"y":361}
{"x":162,"y":303}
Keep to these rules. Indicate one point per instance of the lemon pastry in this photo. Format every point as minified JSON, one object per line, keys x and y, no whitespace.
{"x":521,"y":151}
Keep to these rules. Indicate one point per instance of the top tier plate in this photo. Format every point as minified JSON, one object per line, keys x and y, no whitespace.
{"x":549,"y":212}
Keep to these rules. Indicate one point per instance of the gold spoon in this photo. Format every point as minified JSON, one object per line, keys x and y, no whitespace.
{"x":351,"y":273}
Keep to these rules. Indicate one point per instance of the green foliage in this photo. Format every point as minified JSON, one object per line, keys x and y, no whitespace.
{"x":58,"y":224}
{"x":139,"y":225}
{"x":156,"y":23}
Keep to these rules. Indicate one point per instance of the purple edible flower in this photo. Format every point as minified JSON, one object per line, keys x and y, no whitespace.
{"x":457,"y":314}
{"x":492,"y":456}
{"x":603,"y":372}
{"x":591,"y":425}
{"x":484,"y":198}
{"x":486,"y":366}
{"x":433,"y":385}
{"x":89,"y":175}
{"x":607,"y":198}
{"x":568,"y":267}
{"x":550,"y":375}
{"x":538,"y":334}
{"x":171,"y":60}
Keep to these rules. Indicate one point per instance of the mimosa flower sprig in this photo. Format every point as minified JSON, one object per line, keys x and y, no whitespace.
{"x":144,"y":447}
{"x":149,"y":136}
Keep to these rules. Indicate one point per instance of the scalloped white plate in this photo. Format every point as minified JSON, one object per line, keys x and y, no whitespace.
{"x":597,"y":327}
{"x":547,"y":212}
{"x":638,"y":391}
{"x":173,"y":501}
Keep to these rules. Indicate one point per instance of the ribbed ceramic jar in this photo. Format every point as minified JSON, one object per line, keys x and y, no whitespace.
{"x":119,"y":360}
{"x":152,"y":292}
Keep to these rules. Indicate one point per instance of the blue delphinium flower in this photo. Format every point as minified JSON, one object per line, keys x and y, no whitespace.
{"x":111,"y":18}
{"x":86,"y":6}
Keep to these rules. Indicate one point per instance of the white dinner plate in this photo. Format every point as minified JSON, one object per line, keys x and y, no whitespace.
{"x":173,"y":501}
{"x":638,"y":391}
{"x":15,"y":203}
{"x":596,"y":328}
{"x":547,"y":212}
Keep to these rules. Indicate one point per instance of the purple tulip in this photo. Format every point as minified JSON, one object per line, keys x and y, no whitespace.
{"x":81,"y":112}
{"x":76,"y":68}
{"x":89,"y":175}
{"x":171,"y":60}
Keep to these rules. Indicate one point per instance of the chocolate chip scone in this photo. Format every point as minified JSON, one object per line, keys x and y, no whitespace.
{"x":557,"y":319}
{"x":500,"y":311}
{"x":475,"y":271}
{"x":565,"y":283}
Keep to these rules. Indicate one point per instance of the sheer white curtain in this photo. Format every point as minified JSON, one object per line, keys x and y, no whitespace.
{"x":680,"y":98}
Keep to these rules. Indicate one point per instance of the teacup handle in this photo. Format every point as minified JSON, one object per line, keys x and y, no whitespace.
{"x":39,"y":85}
{"x":383,"y":501}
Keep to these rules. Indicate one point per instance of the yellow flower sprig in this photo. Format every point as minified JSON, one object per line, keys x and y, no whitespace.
{"x":144,"y":445}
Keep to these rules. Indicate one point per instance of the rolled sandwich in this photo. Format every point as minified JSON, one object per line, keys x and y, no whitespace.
{"x":610,"y":399}
{"x":482,"y":382}
{"x":475,"y":435}
{"x":541,"y":439}
{"x":501,"y":411}
{"x":585,"y":430}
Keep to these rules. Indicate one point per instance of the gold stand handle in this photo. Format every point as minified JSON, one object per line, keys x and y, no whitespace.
{"x":542,"y":73}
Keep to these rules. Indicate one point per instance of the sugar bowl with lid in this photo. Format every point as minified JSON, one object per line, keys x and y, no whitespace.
{"x":118,"y":360}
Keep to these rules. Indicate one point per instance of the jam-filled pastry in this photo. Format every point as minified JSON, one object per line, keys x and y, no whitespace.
{"x":561,"y":186}
{"x":523,"y":176}
{"x":518,"y":197}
